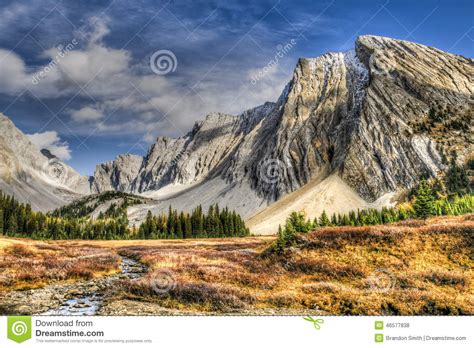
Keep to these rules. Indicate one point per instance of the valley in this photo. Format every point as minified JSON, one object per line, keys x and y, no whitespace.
{"x":350,"y":194}
{"x":414,"y":267}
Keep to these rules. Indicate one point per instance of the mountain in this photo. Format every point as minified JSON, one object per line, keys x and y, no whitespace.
{"x":350,"y":130}
{"x":35,"y":175}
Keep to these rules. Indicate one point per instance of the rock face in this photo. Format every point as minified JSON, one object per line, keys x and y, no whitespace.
{"x":117,"y":175}
{"x":33,"y":175}
{"x":188,"y":160}
{"x":348,"y":114}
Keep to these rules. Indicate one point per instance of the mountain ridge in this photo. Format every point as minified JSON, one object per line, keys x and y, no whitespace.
{"x":357,"y":123}
{"x":347,"y":114}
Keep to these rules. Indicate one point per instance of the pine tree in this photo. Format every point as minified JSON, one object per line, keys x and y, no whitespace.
{"x":148,"y":225}
{"x":334,"y":219}
{"x":298,"y":221}
{"x":179,"y":227}
{"x":424,"y":201}
{"x":12,"y":225}
{"x":346,"y":221}
{"x":324,"y":220}
{"x":281,"y":242}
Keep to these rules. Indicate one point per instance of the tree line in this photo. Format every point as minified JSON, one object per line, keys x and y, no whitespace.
{"x":216,"y":223}
{"x":86,"y":206}
{"x":19,"y":220}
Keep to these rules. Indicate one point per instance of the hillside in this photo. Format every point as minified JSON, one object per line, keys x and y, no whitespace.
{"x":411,"y":268}
{"x":33,"y":175}
{"x":107,"y":204}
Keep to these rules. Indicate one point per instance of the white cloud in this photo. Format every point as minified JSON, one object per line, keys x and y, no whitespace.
{"x":13,"y":74}
{"x":96,"y":62}
{"x":85,"y":114}
{"x":149,"y":138}
{"x":100,"y":29}
{"x":51,"y":141}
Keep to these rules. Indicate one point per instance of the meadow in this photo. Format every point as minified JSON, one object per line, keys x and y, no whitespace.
{"x":414,"y":267}
{"x":27,"y":264}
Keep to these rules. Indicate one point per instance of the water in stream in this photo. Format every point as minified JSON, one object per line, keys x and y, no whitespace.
{"x":89,"y":303}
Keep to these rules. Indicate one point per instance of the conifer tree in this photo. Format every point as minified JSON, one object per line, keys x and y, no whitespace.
{"x":324,"y":220}
{"x":298,"y":221}
{"x":424,"y":201}
{"x":334,"y":219}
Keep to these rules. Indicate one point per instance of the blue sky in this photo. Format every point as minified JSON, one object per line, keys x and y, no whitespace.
{"x":78,"y":74}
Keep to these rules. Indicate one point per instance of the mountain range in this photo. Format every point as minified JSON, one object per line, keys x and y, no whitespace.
{"x":350,"y":130}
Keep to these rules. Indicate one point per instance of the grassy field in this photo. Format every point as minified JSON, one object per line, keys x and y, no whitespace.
{"x":409,"y":268}
{"x":27,"y":264}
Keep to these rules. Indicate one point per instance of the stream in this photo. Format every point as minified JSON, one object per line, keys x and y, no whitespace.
{"x":88,"y":302}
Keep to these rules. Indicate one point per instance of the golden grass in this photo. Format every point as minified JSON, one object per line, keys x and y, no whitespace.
{"x":27,"y":264}
{"x":410,"y":268}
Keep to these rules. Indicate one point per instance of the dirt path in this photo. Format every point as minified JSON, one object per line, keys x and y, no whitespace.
{"x":82,"y":298}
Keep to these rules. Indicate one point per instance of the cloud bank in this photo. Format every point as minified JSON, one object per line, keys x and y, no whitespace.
{"x":124,"y":94}
{"x":51,"y":141}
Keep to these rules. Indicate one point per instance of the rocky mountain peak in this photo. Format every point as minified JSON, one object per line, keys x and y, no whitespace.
{"x":367,"y":122}
{"x":351,"y":114}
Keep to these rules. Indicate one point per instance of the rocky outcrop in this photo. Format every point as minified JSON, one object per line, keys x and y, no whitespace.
{"x":191,"y":159}
{"x":348,"y":114}
{"x":117,"y":175}
{"x":385,"y":153}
